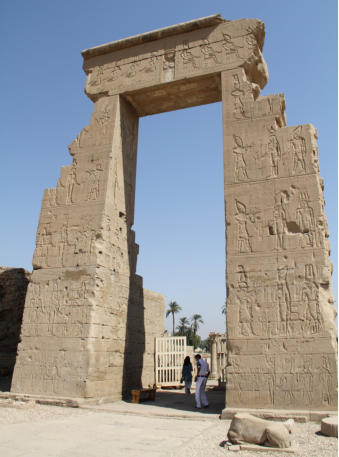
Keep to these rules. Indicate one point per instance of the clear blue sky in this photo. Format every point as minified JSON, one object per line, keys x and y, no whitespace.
{"x":179,"y":219}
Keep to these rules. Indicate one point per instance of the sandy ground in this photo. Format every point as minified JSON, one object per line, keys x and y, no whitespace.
{"x":170,"y":427}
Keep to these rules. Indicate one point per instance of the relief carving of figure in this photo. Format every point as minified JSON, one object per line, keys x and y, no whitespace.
{"x":242,"y":98}
{"x":279,"y":226}
{"x":240,"y":167}
{"x":230,"y":47}
{"x":245,"y":315}
{"x":63,"y":239}
{"x":245,"y":301}
{"x":93,"y":183}
{"x":305,"y":220}
{"x":169,"y":59}
{"x":238,"y":106}
{"x":208,"y":52}
{"x":310,"y":296}
{"x":321,"y":232}
{"x":315,"y":160}
{"x":283,"y":294}
{"x":188,"y":57}
{"x":243,"y":219}
{"x":298,"y":148}
{"x":274,"y":152}
{"x":71,"y":181}
{"x":236,"y":81}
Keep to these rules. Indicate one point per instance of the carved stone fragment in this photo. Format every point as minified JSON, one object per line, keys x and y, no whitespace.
{"x":246,"y":428}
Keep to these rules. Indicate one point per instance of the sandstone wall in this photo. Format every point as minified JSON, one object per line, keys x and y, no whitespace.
{"x":13,"y":288}
{"x":154,"y":306}
{"x":281,"y":349}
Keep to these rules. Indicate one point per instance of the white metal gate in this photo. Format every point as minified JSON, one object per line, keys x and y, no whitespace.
{"x":169,"y":358}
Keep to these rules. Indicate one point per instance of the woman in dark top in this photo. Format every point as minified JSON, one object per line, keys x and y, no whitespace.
{"x":187,"y":375}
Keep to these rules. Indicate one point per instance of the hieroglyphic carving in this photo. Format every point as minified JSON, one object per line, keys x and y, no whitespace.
{"x":243,"y":219}
{"x":97,"y":77}
{"x":67,"y":243}
{"x":298,"y":151}
{"x":50,"y":197}
{"x":321,"y":232}
{"x":240,"y":166}
{"x":102,"y":118}
{"x":63,"y":239}
{"x":71,"y":182}
{"x":279,"y":225}
{"x":242,"y":98}
{"x":230,"y":47}
{"x":305,"y":220}
{"x":251,"y":42}
{"x":284,"y":303}
{"x":94,"y":182}
{"x":209,"y":53}
{"x":244,"y":299}
{"x":274,"y":152}
{"x":283,"y":294}
{"x":114,"y":72}
{"x":151,"y":64}
{"x":169,"y":64}
{"x":188,"y":57}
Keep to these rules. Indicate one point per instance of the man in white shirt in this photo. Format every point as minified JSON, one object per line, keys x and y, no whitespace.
{"x":201,"y":380}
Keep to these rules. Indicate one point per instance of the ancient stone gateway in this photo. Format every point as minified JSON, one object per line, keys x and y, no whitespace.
{"x":83,"y":331}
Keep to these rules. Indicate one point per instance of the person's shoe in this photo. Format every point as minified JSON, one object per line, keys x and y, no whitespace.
{"x":197,"y":407}
{"x":206,"y":406}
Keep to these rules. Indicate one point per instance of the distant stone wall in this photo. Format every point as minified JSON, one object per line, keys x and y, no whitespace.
{"x":154,"y":309}
{"x":190,"y":353}
{"x":13,"y":287}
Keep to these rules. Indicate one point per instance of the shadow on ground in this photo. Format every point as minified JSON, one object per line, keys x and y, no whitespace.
{"x":178,"y":400}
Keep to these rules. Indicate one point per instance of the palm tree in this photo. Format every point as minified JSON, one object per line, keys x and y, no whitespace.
{"x":183,"y":326}
{"x":196,"y":319}
{"x":173,"y":308}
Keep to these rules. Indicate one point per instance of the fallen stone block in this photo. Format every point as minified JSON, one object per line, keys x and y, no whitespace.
{"x":329,"y":426}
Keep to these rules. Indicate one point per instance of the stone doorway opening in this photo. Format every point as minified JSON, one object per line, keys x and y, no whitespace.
{"x":179,"y":210}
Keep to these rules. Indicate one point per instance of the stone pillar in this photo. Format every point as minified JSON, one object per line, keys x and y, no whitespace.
{"x":78,"y":319}
{"x":214,"y":362}
{"x":280,"y":315}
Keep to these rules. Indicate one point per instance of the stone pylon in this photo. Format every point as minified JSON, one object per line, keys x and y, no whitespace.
{"x":78,"y":310}
{"x":83,"y":332}
{"x":280,"y":313}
